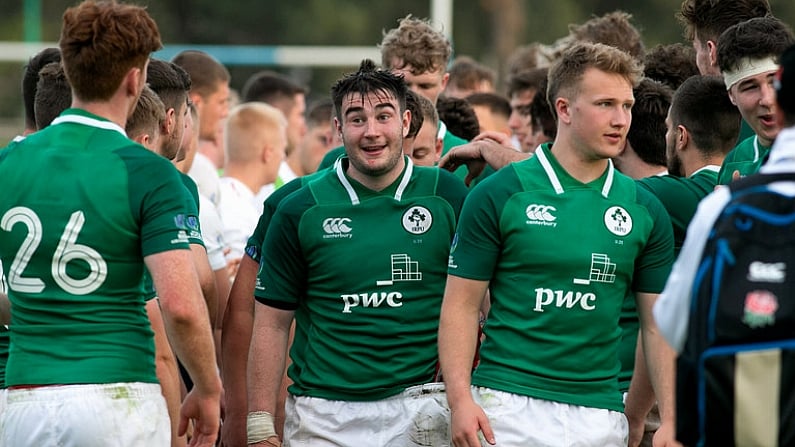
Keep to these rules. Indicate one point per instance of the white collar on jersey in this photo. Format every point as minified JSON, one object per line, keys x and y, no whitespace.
{"x":404,"y":182}
{"x":87,"y":121}
{"x":553,"y":177}
{"x":712,"y":168}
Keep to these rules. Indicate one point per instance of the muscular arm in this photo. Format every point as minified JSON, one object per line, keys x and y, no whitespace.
{"x":238,"y":322}
{"x":187,"y":324}
{"x":267,"y":357}
{"x":458,"y":331}
{"x":166,"y":369}
{"x":660,"y":363}
{"x":206,"y":280}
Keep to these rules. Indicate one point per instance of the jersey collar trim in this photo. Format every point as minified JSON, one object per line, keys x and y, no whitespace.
{"x":712,"y":168}
{"x":88,"y":121}
{"x":404,"y":182}
{"x":558,"y":186}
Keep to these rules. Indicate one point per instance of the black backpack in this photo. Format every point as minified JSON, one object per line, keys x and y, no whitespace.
{"x":736,"y":373}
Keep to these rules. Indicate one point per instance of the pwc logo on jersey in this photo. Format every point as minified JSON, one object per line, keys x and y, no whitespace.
{"x":402,"y":269}
{"x":417,"y":220}
{"x":337,"y":228}
{"x":618,"y":221}
{"x":541,"y":215}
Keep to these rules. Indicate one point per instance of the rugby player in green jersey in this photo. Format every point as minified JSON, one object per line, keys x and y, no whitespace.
{"x":748,"y":59}
{"x":74,"y":242}
{"x":364,"y":351}
{"x":558,"y":240}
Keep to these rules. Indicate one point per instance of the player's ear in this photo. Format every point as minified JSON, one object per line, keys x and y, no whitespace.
{"x":562,"y":107}
{"x":682,"y":137}
{"x":406,"y":122}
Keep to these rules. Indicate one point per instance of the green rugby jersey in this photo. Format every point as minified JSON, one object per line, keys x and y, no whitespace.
{"x":746,"y":157}
{"x":560,"y":256}
{"x":72,"y":242}
{"x":680,"y":198}
{"x":254,"y":244}
{"x":365,"y":272}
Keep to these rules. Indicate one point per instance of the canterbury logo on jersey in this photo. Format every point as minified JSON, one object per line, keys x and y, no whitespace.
{"x":375,"y":299}
{"x":541,"y":215}
{"x":337,"y":228}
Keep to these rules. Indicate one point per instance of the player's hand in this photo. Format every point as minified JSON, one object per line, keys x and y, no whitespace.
{"x":637,"y":427}
{"x":665,"y":436}
{"x":467,"y":420}
{"x":204,"y":410}
{"x":467,"y":154}
{"x":497,"y":137}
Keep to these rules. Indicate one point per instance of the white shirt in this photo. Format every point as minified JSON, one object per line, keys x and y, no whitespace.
{"x":239,"y":215}
{"x":672,"y":309}
{"x":212,"y":233}
{"x":204,"y":173}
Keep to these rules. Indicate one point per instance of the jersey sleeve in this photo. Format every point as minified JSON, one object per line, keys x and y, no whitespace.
{"x":282,"y":276}
{"x":477,"y":242}
{"x":157,"y":201}
{"x":192,"y":221}
{"x":654,"y":264}
{"x":452,"y":189}
{"x":254,"y":244}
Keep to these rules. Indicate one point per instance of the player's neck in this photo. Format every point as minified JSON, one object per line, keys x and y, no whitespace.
{"x":111,"y":110}
{"x":577,"y":163}
{"x":377,"y":182}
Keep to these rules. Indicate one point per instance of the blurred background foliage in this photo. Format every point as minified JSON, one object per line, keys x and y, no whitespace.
{"x":487,"y":30}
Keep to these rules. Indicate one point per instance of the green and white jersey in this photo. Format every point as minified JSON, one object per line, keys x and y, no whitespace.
{"x":560,"y":256}
{"x":72,"y":242}
{"x":365,"y":272}
{"x":680,"y":198}
{"x":191,"y":192}
{"x":254,"y":244}
{"x":4,"y":338}
{"x":746,"y":157}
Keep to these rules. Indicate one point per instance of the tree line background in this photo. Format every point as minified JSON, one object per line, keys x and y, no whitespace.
{"x":487,"y":30}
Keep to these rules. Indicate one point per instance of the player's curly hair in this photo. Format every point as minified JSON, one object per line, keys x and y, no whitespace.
{"x":757,"y":38}
{"x":670,"y":64}
{"x":416,"y":43}
{"x":709,"y":18}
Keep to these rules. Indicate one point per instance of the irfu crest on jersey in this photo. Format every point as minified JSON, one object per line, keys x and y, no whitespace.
{"x":618,"y":221}
{"x":417,"y":220}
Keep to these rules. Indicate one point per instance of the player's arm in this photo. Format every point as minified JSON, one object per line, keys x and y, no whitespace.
{"x":458,"y":331}
{"x":660,"y":361}
{"x":477,"y":154}
{"x":266,"y":363}
{"x":206,"y":280}
{"x":166,"y":370}
{"x":238,"y":324}
{"x":640,"y":398}
{"x":187,"y":324}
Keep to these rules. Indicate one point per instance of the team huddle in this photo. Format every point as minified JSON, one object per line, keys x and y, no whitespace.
{"x":414,"y":261}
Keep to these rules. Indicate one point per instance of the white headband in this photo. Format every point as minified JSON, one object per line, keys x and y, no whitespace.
{"x":749,"y":67}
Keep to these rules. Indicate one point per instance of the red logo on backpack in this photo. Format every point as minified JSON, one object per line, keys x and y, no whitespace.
{"x":760,"y":309}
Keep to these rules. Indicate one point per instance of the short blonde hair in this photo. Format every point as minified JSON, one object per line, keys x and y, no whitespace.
{"x":249,"y":125}
{"x":565,"y":74}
